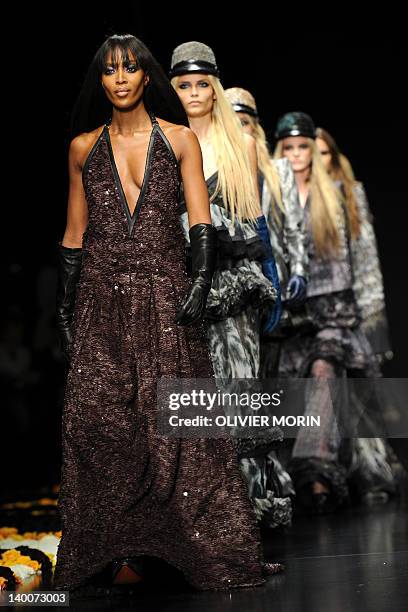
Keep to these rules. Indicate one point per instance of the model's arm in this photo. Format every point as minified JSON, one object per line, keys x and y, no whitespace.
{"x":368,"y":286}
{"x":268,"y":264}
{"x":77,"y":214}
{"x":203,"y":235}
{"x":194,"y":185}
{"x":70,"y":250}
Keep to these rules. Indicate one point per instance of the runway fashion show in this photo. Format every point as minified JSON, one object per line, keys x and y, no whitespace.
{"x":204,"y":349}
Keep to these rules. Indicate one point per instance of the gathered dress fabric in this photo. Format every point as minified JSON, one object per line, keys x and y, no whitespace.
{"x":125,"y":489}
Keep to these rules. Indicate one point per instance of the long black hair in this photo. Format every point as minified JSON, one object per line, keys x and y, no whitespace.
{"x":92,"y":107}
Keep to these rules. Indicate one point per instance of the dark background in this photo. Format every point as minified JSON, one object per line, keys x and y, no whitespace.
{"x":348,"y":74}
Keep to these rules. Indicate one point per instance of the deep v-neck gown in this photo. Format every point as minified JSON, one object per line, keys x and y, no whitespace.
{"x":125,"y":489}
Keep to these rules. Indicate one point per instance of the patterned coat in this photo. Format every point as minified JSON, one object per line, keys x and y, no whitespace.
{"x":288,"y":234}
{"x":368,"y":284}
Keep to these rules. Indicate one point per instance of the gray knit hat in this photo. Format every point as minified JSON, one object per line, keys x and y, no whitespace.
{"x":193,"y":57}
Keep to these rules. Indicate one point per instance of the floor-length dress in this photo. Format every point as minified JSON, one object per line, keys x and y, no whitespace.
{"x":125,"y":489}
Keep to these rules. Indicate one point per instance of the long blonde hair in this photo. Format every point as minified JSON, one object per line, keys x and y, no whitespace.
{"x":325,"y":204}
{"x":341,"y":170}
{"x":235,"y":182}
{"x":266,"y":166}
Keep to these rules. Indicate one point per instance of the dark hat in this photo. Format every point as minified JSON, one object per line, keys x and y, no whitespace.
{"x":295,"y":124}
{"x":193,"y":57}
{"x":242,"y":101}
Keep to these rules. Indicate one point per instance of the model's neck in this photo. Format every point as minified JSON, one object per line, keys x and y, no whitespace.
{"x":201,"y":126}
{"x":127,"y":122}
{"x":303,"y":185}
{"x":303,"y":179}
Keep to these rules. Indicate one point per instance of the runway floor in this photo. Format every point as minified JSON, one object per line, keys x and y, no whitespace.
{"x":354,"y":560}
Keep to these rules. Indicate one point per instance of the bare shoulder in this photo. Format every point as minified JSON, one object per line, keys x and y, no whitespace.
{"x":179,"y":132}
{"x":81,"y":145}
{"x":181,"y":138}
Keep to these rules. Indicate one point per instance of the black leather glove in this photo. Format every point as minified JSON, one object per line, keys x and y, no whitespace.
{"x":69,"y":267}
{"x":203,"y":240}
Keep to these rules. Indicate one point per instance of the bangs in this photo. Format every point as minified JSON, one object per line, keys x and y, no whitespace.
{"x":120,"y":50}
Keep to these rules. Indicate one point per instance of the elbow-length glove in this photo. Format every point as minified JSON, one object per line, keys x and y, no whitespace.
{"x":270,"y":271}
{"x":69,"y":268}
{"x":203,"y":241}
{"x":296,"y":291}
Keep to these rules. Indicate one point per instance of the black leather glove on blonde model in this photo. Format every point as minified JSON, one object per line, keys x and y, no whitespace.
{"x":203,"y":240}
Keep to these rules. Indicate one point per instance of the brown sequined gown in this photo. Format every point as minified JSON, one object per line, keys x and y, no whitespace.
{"x":125,"y":490}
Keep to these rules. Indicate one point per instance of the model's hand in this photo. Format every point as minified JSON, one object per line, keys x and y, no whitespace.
{"x":193,"y":306}
{"x":203,"y":240}
{"x":65,"y":345}
{"x":296,"y":290}
{"x":275,"y":312}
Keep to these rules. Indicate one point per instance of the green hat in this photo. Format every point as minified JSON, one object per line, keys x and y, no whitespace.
{"x":295,"y":124}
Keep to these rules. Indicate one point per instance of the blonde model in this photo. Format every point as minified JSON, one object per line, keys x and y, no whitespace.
{"x":330,"y":344}
{"x":245,"y":293}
